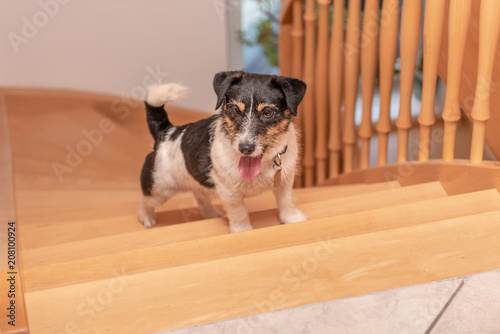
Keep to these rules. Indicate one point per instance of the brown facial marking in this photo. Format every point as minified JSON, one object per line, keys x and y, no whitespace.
{"x":288,"y":113}
{"x":239,"y":104}
{"x":262,"y":105}
{"x":274,"y":131}
{"x":231,"y":129}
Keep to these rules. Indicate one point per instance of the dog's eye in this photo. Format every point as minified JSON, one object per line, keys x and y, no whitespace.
{"x":235,"y":109}
{"x":267,"y":112}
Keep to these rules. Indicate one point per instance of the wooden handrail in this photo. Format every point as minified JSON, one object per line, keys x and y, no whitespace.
{"x":456,"y":177}
{"x":369,"y":46}
{"x":410,"y":35}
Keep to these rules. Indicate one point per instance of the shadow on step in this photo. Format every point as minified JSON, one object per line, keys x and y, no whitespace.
{"x":259,"y":219}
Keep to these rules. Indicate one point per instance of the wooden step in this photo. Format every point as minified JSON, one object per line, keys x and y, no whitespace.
{"x":42,"y":267}
{"x":42,"y":143}
{"x":328,"y":268}
{"x":40,"y":236}
{"x":32,"y":182}
{"x":44,"y":216}
{"x":26,"y":200}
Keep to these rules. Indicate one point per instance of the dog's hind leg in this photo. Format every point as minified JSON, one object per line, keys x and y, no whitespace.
{"x":146,"y":212}
{"x":208,"y":210}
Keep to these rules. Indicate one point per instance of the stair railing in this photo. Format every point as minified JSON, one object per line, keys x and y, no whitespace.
{"x":333,"y":59}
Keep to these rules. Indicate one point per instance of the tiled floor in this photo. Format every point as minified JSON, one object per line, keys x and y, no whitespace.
{"x":460,"y":305}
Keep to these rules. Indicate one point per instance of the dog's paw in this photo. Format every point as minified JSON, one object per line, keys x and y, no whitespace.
{"x":146,"y":219}
{"x":234,"y":228}
{"x":294,"y":216}
{"x":148,"y":222}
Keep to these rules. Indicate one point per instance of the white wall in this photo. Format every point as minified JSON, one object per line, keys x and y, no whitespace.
{"x":113,"y":46}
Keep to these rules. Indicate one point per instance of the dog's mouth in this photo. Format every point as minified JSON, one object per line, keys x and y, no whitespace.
{"x":249,"y":167}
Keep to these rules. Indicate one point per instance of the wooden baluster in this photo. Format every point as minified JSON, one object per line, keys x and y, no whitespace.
{"x":322,"y":91}
{"x":489,"y":29}
{"x":369,"y":44}
{"x":309,"y":111}
{"x":410,"y":34}
{"x":285,"y":43}
{"x":297,"y":62}
{"x":389,"y":27}
{"x":335,"y":81}
{"x":459,"y":17}
{"x":433,"y":32}
{"x":351,"y":77}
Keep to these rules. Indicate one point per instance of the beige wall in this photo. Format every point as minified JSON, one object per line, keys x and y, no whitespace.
{"x":113,"y":46}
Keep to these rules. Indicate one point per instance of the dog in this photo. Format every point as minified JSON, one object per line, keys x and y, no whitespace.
{"x":248,"y":147}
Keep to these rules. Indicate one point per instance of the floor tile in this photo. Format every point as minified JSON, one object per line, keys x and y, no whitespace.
{"x":475,"y":309}
{"x":405,"y":310}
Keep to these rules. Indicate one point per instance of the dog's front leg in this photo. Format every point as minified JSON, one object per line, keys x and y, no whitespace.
{"x":287,"y":210}
{"x":236,"y":212}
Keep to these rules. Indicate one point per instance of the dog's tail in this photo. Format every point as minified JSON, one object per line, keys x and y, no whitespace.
{"x":156,"y":115}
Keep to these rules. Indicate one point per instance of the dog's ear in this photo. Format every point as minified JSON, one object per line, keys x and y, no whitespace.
{"x":222,"y":82}
{"x":294,"y":90}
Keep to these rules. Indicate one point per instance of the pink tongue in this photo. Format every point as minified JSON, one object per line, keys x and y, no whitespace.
{"x":249,"y":167}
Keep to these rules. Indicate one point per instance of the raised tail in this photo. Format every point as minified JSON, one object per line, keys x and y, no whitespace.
{"x":158,"y":96}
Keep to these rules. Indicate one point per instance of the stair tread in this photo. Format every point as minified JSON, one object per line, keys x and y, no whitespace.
{"x":51,"y":216}
{"x":36,"y":150}
{"x":99,"y":255}
{"x":69,"y":198}
{"x":43,"y":215}
{"x":34,"y":182}
{"x":106,"y":253}
{"x":327,"y":268}
{"x":35,"y":236}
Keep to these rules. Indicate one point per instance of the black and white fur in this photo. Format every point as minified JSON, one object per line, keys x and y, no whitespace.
{"x":255,"y":119}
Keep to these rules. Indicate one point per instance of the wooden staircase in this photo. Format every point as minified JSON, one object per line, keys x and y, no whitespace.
{"x":88,"y":266}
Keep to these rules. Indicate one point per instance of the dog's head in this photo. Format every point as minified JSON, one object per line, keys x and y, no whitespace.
{"x":257,"y":110}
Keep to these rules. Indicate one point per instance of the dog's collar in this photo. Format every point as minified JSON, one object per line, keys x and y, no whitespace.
{"x":277,"y":158}
{"x":284,"y":151}
{"x":277,"y":167}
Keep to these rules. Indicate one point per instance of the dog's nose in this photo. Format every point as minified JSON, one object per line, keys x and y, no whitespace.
{"x":246,"y":148}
